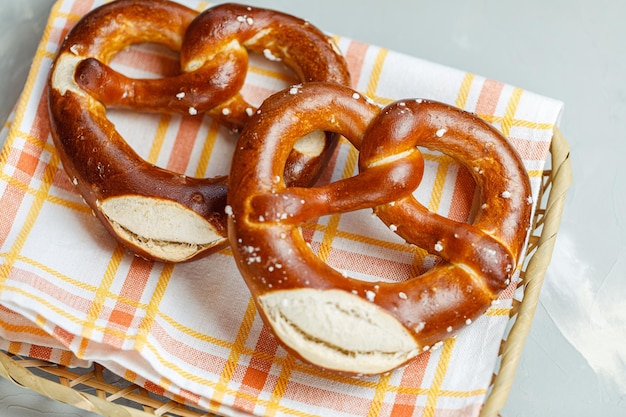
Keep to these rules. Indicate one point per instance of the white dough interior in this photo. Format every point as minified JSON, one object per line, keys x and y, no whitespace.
{"x":164,"y":228}
{"x":311,"y":144}
{"x":63,"y":77}
{"x":338,"y":330}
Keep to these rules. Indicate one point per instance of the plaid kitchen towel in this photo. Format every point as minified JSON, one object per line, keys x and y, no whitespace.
{"x":69,"y":294}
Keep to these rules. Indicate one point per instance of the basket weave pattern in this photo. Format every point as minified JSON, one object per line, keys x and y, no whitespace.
{"x":100,"y":391}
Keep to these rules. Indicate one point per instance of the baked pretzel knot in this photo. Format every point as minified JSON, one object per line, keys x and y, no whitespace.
{"x":156,"y":213}
{"x":345,"y":324}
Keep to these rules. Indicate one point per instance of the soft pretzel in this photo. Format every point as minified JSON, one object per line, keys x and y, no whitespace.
{"x":345,"y":324}
{"x":156,"y":213}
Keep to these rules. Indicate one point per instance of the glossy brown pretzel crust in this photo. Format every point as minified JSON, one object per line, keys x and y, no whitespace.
{"x":345,"y":324}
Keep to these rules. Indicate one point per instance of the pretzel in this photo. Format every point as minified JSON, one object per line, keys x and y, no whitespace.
{"x":156,"y":213}
{"x":344,"y":324}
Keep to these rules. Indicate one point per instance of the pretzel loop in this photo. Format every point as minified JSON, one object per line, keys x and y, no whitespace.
{"x":274,"y":202}
{"x":159,"y":214}
{"x":215,"y":51}
{"x":497,"y":171}
{"x":346,"y":324}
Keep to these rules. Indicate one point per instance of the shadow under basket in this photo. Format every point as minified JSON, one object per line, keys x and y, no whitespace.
{"x":100,"y":391}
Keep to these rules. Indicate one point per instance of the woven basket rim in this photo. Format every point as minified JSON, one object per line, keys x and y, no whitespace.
{"x":560,"y":179}
{"x":511,"y":348}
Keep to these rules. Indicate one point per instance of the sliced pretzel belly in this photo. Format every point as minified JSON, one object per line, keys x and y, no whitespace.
{"x":157,"y":213}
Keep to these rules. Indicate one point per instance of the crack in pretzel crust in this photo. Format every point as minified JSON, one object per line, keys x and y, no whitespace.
{"x":311,"y":145}
{"x":62,"y":78}
{"x":337,"y":330}
{"x":163,"y":228}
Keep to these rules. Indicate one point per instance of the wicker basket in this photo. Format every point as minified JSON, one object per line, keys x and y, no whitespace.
{"x":98,"y":390}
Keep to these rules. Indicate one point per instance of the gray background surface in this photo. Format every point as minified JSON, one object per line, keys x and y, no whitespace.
{"x":573,"y":51}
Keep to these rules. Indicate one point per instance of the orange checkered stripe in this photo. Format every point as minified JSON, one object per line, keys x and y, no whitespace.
{"x":191,"y":330}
